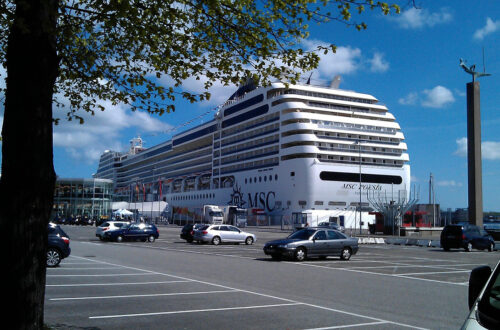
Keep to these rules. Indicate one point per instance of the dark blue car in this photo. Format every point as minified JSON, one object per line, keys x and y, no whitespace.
{"x":466,"y":236}
{"x":58,"y":245}
{"x":132,"y":232}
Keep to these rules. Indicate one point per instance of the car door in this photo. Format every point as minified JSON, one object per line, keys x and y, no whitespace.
{"x":320,"y":244}
{"x":225,"y":234}
{"x":132,"y":232}
{"x":335,"y":242}
{"x":236,"y":234}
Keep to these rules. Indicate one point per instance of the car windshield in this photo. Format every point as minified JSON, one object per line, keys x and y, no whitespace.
{"x":215,"y":214}
{"x":490,"y":302}
{"x":302,"y":234}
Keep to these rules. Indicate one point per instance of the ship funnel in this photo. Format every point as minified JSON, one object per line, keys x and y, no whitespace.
{"x":335,"y":83}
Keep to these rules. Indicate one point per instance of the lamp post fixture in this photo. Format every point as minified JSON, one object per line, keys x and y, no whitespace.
{"x":358,"y":142}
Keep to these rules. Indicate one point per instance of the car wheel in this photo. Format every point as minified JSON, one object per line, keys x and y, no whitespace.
{"x":249,"y":241}
{"x":300,"y":254}
{"x":468,"y":248}
{"x":491,"y":247}
{"x":119,"y":239}
{"x":216,"y":240}
{"x":275,"y":256}
{"x":53,"y":257}
{"x":101,"y":238}
{"x":345,"y":254}
{"x":446,"y":248}
{"x":189,"y":240}
{"x":151,"y":239}
{"x":322,"y":257}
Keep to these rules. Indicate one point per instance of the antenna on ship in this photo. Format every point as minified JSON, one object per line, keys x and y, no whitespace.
{"x":309,"y":79}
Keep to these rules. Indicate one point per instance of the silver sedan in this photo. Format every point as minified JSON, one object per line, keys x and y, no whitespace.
{"x":217,"y":234}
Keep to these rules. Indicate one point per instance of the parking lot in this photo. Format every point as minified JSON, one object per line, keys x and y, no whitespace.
{"x":173,"y":284}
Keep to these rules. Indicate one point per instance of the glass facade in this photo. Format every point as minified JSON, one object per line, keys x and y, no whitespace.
{"x":88,"y":198}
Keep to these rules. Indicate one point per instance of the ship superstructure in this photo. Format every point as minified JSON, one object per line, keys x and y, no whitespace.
{"x":285,"y":150}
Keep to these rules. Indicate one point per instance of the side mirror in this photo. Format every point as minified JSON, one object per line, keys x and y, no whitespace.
{"x":478,"y":278}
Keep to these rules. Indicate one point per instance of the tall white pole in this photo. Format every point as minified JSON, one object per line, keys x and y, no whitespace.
{"x":360,"y":210}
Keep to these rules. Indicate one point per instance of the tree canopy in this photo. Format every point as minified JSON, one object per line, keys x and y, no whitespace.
{"x":118,"y":50}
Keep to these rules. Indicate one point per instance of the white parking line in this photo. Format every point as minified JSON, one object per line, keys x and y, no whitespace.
{"x":101,"y":275}
{"x":192,"y":311}
{"x":144,"y":295}
{"x":117,"y":284}
{"x":379,"y":274}
{"x":81,"y":268}
{"x":433,"y":273}
{"x":289,"y":301}
{"x":349,"y":325}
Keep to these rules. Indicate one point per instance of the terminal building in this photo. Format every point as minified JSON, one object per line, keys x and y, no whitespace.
{"x":85,"y":198}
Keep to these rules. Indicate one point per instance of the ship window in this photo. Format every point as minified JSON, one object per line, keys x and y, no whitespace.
{"x":265,"y":178}
{"x":302,"y":203}
{"x":276,"y":177}
{"x":318,"y":203}
{"x":270,"y":178}
{"x":260,"y":179}
{"x":292,"y":173}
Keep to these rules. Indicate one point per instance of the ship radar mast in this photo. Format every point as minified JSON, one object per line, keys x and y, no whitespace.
{"x":136,"y":146}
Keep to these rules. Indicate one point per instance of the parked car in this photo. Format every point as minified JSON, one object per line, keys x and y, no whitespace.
{"x":58,"y":245}
{"x":313,"y":242}
{"x":484,"y":299}
{"x":467,"y":237}
{"x":109,"y":226}
{"x":217,"y":234}
{"x":331,"y":225}
{"x":140,"y":231}
{"x":188,"y":230}
{"x":492,"y":227}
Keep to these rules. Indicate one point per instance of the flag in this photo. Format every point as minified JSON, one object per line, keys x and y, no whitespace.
{"x":159,"y":188}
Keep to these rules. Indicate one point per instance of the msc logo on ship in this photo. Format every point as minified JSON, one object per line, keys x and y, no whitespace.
{"x":260,"y":200}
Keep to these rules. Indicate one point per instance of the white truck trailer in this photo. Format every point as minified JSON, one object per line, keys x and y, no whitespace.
{"x":212,"y":214}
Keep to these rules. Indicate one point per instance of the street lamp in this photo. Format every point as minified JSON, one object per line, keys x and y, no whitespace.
{"x":360,"y":210}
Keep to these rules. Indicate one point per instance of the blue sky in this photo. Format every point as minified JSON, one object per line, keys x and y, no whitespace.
{"x":409,"y":62}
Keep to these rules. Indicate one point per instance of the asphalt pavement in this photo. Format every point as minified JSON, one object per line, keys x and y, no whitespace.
{"x":171,"y":284}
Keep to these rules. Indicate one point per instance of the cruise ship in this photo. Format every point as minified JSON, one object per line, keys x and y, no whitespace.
{"x":300,"y":152}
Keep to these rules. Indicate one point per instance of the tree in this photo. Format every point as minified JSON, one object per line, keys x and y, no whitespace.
{"x":118,"y":50}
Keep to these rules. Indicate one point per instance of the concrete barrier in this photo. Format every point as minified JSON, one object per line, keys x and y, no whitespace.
{"x":370,"y":240}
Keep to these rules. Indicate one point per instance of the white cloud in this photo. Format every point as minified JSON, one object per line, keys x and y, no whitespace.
{"x":410,"y":99}
{"x":449,"y":183}
{"x":218,"y":92}
{"x":490,"y":27}
{"x":378,"y":63}
{"x":438,"y":97}
{"x":419,"y":18}
{"x":102,"y":131}
{"x":344,"y":61}
{"x":489,"y":149}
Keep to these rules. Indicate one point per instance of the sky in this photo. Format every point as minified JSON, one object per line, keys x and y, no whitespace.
{"x":409,"y":62}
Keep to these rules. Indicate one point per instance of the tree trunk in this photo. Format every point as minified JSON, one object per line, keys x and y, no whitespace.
{"x":28,"y":178}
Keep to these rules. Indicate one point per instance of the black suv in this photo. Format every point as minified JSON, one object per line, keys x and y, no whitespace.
{"x":187,"y":231}
{"x":467,"y":237}
{"x":58,"y":245}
